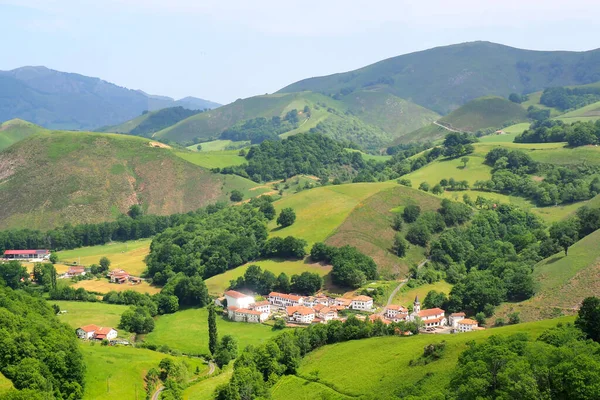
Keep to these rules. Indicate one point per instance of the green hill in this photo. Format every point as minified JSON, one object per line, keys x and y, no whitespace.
{"x":52,"y":178}
{"x":15,"y":130}
{"x":151,"y":122}
{"x":371,"y":118}
{"x":591,"y":112}
{"x":444,"y":78}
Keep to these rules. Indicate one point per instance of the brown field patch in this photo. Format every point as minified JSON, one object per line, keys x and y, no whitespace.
{"x":104,"y":286}
{"x":159,"y":145}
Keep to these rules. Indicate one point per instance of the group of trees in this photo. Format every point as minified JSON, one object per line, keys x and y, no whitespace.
{"x":257,"y":130}
{"x":258,"y":368}
{"x":511,"y":174}
{"x":40,"y":355}
{"x":569,"y":98}
{"x":264,"y":282}
{"x":351,"y":268}
{"x":222,"y":351}
{"x":578,"y":133}
{"x":458,"y":144}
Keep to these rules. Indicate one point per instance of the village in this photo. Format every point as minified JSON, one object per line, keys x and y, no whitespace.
{"x":298,"y":310}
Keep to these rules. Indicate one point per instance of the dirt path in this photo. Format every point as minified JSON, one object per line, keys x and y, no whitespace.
{"x":395,"y":291}
{"x":160,"y":389}
{"x":446,"y":128}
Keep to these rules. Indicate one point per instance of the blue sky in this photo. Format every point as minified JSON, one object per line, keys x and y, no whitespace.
{"x":229,"y":49}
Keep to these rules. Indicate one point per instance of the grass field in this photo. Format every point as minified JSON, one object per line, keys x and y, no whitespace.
{"x":506,"y":138}
{"x":437,"y":170}
{"x":219,"y":283}
{"x":568,"y":156}
{"x":205,"y":389}
{"x":380,"y":365}
{"x":321,"y":210}
{"x":122,"y":255}
{"x":15,"y":130}
{"x":563,"y":282}
{"x":215,"y":145}
{"x":81,"y":313}
{"x":407,"y":296}
{"x":294,"y":387}
{"x":369,"y":228}
{"x":102,"y":285}
{"x":187,"y":331}
{"x":118,"y":372}
{"x":5,"y":384}
{"x":591,"y":112}
{"x":213,"y":159}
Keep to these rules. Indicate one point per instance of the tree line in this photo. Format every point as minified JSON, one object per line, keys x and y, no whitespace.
{"x":257,"y":130}
{"x":569,"y":98}
{"x":264,"y":282}
{"x":580,"y":133}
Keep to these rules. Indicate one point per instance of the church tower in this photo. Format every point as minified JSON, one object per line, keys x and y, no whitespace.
{"x":416,"y":305}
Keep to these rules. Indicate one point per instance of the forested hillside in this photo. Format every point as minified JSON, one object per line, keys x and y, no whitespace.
{"x":444,"y":78}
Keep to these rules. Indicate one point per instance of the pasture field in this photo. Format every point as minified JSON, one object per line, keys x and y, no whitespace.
{"x":103,"y":286}
{"x":215,"y":145}
{"x":380,"y":365}
{"x":297,"y":388}
{"x":321,"y":210}
{"x":219,"y":283}
{"x":506,"y":138}
{"x":60,"y":268}
{"x":568,"y":156}
{"x":368,"y":157}
{"x":213,"y":159}
{"x":122,"y":255}
{"x":118,"y":372}
{"x":407,"y":296}
{"x":81,"y":313}
{"x":369,"y":228}
{"x":591,"y":112}
{"x":562,"y":282}
{"x":440,"y":169}
{"x":187,"y":331}
{"x":5,"y":384}
{"x":205,"y":389}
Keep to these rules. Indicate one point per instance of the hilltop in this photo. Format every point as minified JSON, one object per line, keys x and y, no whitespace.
{"x":15,"y":130}
{"x":150,"y":122}
{"x":444,"y":78}
{"x":61,"y":100}
{"x":52,"y":178}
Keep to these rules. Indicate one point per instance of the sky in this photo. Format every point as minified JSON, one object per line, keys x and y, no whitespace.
{"x":223,"y":50}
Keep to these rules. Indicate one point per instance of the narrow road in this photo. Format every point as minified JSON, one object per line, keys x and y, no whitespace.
{"x":446,"y":128}
{"x":402,"y":283}
{"x":159,"y":390}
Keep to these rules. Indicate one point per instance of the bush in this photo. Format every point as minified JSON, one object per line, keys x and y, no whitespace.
{"x":287,"y":217}
{"x":424,"y":186}
{"x":411,"y":213}
{"x":236,"y":196}
{"x":418,"y":235}
{"x":405,"y":182}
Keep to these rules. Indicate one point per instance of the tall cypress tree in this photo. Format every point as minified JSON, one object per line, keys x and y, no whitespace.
{"x":213,"y":339}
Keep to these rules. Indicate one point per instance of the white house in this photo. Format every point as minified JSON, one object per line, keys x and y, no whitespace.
{"x":89,"y":332}
{"x":465,"y":325}
{"x":300,"y":314}
{"x":237,"y":299}
{"x":327,"y":314}
{"x":285,"y":300}
{"x":396,"y":313}
{"x":455,"y":318}
{"x":342,"y":302}
{"x":431,"y":317}
{"x":262,"y":306}
{"x":245,"y":315}
{"x":362,"y":303}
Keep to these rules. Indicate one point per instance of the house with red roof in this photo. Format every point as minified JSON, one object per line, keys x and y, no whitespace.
{"x":238,"y":299}
{"x":466,"y":325}
{"x":362,"y":303}
{"x":27,"y":255}
{"x":300,"y":314}
{"x":89,"y":332}
{"x":431,"y":318}
{"x":285,"y":300}
{"x":118,"y":276}
{"x":76,"y":270}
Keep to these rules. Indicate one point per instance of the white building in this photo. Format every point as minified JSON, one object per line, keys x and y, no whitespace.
{"x":325,"y":313}
{"x":300,"y":314}
{"x":342,"y":302}
{"x":237,"y":299}
{"x":396,"y":313}
{"x":455,"y":318}
{"x":89,"y":332}
{"x":285,"y":300}
{"x":246,"y":315}
{"x":86,"y":332}
{"x":262,"y":306}
{"x":362,"y":303}
{"x":465,"y":325}
{"x":431,"y":317}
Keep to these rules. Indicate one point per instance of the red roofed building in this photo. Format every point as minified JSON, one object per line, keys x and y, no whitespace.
{"x":362,"y":303}
{"x":89,"y":332}
{"x":466,"y":325}
{"x":246,"y":315}
{"x":431,"y":318}
{"x":75,"y":271}
{"x":396,"y":313}
{"x":237,"y":299}
{"x":300,"y":314}
{"x":285,"y":300}
{"x":27,"y":254}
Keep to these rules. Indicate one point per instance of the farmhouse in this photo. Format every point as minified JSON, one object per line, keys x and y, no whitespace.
{"x":431,"y":317}
{"x":362,"y":303}
{"x":455,"y":318}
{"x":118,"y":276}
{"x":246,"y":315}
{"x":325,"y":313}
{"x":89,"y":332}
{"x":27,"y":255}
{"x":396,"y":313}
{"x":75,"y":271}
{"x":285,"y":300}
{"x":342,"y":302}
{"x":237,"y":299}
{"x":300,"y":314}
{"x":466,"y":325}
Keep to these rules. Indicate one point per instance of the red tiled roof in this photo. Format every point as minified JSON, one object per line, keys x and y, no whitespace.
{"x":103,"y":331}
{"x":457,"y":314}
{"x":261,"y":303}
{"x":234,"y":294}
{"x":89,"y":328}
{"x":362,"y":298}
{"x":431,"y":312}
{"x":115,"y":272}
{"x":467,"y":321}
{"x":300,"y":310}
{"x":375,"y":317}
{"x":291,"y":297}
{"x":343,"y":301}
{"x":23,"y":252}
{"x":246,"y":311}
{"x":232,"y":308}
{"x":395,"y":307}
{"x":432,"y":321}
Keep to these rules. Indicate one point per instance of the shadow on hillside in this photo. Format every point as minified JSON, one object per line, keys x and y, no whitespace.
{"x":555,"y":259}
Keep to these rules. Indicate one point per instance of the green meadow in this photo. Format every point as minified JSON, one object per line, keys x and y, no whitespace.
{"x":213,"y":159}
{"x":219,"y":283}
{"x":446,"y":169}
{"x":406,"y":296}
{"x":5,"y":384}
{"x":187,"y":331}
{"x":297,"y":388}
{"x":204,"y":390}
{"x":118,"y":372}
{"x":380,"y":365}
{"x":80,"y":313}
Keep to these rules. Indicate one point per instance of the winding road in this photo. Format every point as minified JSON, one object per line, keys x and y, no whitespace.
{"x":402,"y":283}
{"x":446,"y":128}
{"x":159,"y":390}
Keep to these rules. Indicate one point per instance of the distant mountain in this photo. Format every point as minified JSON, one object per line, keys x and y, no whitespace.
{"x":150,"y":122}
{"x":61,"y":100}
{"x":444,"y":78}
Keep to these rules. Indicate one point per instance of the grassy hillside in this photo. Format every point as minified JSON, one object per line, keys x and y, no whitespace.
{"x":369,"y":228}
{"x":444,"y":78}
{"x":150,"y":122}
{"x":563,"y":282}
{"x":57,"y":177}
{"x":380,"y":365}
{"x":118,"y":372}
{"x":5,"y":384}
{"x":205,"y":389}
{"x":591,"y":112}
{"x":484,"y":112}
{"x":80,"y":313}
{"x":128,"y":255}
{"x":187,"y":331}
{"x":15,"y":130}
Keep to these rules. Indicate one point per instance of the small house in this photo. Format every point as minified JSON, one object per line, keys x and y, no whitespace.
{"x":300,"y":314}
{"x":27,"y":255}
{"x":237,"y":299}
{"x":362,"y":303}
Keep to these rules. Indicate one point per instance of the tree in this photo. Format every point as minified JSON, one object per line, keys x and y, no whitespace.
{"x":397,"y":223}
{"x":437,"y":189}
{"x":565,"y":233}
{"x":135,"y":211}
{"x":199,"y":147}
{"x":306,"y":283}
{"x":400,"y":245}
{"x":514,"y":318}
{"x":137,"y":319}
{"x":236,"y":195}
{"x":212,"y":330}
{"x":411,"y":213}
{"x":105,"y":264}
{"x":424,"y":186}
{"x":268,"y":210}
{"x":480,"y":318}
{"x":464,"y":161}
{"x":419,"y":235}
{"x":282,"y":284}
{"x":53,"y":258}
{"x":287,"y":217}
{"x":435,"y":299}
{"x":12,"y":273}
{"x":588,"y":318}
